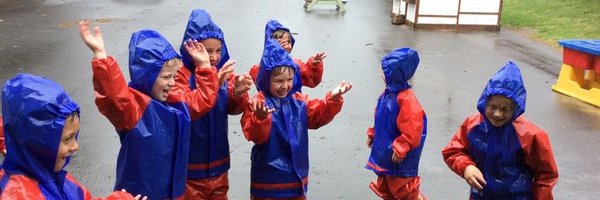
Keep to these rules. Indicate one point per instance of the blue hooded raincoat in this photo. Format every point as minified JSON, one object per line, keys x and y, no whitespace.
{"x":209,"y":153}
{"x":280,"y":154}
{"x":310,"y":74}
{"x":35,"y":111}
{"x":154,"y":135}
{"x":400,"y":122}
{"x":515,"y":159}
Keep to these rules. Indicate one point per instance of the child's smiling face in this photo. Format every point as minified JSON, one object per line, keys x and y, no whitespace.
{"x":281,"y":81}
{"x":499,"y":110}
{"x":213,"y":47}
{"x":165,"y":81}
{"x":68,"y":142}
{"x":285,"y":42}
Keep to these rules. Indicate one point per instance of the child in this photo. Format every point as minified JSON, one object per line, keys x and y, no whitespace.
{"x":311,"y":72}
{"x":42,"y":125}
{"x":209,"y":146}
{"x":397,"y":139}
{"x":277,"y":122}
{"x":154,"y":134}
{"x":497,"y":151}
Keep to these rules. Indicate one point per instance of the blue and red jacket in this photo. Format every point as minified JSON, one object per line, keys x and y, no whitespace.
{"x":35,"y":110}
{"x":400,"y":122}
{"x":209,"y":151}
{"x":280,"y":154}
{"x":310,"y":74}
{"x":154,"y":135}
{"x":516,"y":159}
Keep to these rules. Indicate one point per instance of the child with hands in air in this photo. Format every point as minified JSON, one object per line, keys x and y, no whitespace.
{"x":311,"y":71}
{"x":277,"y":121}
{"x":154,"y":133}
{"x":209,"y":163}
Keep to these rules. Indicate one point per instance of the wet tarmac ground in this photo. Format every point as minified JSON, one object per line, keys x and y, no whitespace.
{"x":41,"y":37}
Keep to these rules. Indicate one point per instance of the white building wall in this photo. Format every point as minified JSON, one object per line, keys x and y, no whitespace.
{"x":438,"y":7}
{"x":477,"y":19}
{"x":487,"y":6}
{"x":437,"y":20}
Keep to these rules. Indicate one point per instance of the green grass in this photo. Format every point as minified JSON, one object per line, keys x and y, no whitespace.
{"x":553,"y":20}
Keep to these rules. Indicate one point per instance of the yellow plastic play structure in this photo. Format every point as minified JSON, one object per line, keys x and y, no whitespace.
{"x":580,"y":72}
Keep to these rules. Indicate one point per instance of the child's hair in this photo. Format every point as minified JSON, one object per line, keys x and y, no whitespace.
{"x":282,"y":69}
{"x":71,"y":117}
{"x":173,"y":63}
{"x":278,"y":34}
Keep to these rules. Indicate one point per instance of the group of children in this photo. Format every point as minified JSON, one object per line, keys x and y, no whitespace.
{"x":172,"y":120}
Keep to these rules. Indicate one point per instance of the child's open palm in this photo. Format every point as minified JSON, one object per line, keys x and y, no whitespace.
{"x":198,"y":52}
{"x":94,"y":42}
{"x":341,"y":89}
{"x":225,"y":71}
{"x":243,"y":83}
{"x":260,"y":109}
{"x":319,"y":58}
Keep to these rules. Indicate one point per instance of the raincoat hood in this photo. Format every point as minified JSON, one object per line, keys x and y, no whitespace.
{"x":148,"y":51}
{"x":508,"y":82}
{"x":274,"y":25}
{"x":200,"y":26}
{"x":34,"y":110}
{"x":274,"y":56}
{"x":398,"y":67}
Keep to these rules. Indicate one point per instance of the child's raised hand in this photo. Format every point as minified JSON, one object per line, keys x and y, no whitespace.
{"x":341,"y":89}
{"x":225,"y":71}
{"x":395,"y":158}
{"x":242,"y":84}
{"x":474,"y":177}
{"x":198,"y":53}
{"x":94,"y":42}
{"x":260,"y":109}
{"x":319,"y":58}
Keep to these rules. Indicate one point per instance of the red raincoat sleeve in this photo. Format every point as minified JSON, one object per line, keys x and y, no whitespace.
{"x":320,"y":111}
{"x":2,"y":141}
{"x":539,"y":157}
{"x":456,"y":153}
{"x":235,"y":105}
{"x":255,"y":130}
{"x":20,"y":187}
{"x":123,"y":106}
{"x":200,"y":100}
{"x":370,"y":132}
{"x":310,"y":74}
{"x":409,"y":123}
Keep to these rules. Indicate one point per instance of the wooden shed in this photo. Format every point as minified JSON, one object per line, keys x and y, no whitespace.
{"x":448,"y":14}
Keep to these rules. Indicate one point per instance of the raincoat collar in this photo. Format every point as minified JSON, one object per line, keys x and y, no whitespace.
{"x":148,"y":51}
{"x":200,"y":26}
{"x":508,"y":82}
{"x":34,"y":110}
{"x":274,"y":56}
{"x":398,"y":67}
{"x":274,"y":25}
